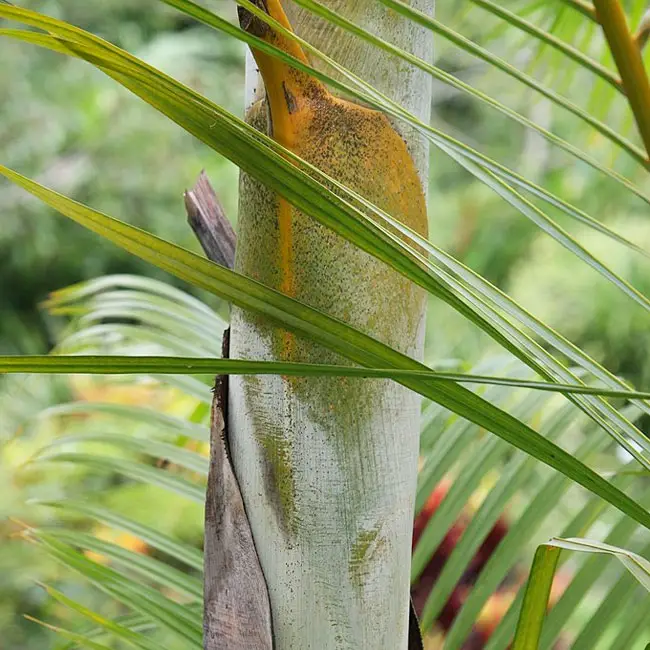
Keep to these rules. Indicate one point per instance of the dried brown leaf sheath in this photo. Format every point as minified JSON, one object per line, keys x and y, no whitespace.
{"x":209,"y":223}
{"x":237,"y":614}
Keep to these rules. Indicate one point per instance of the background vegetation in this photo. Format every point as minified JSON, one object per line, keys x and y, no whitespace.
{"x":75,"y":130}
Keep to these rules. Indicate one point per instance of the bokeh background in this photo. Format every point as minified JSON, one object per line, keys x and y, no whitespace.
{"x":75,"y":130}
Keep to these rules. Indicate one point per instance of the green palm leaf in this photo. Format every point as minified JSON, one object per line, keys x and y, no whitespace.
{"x":387,"y":248}
{"x":174,"y":618}
{"x":338,"y":337}
{"x":150,"y":329}
{"x":482,"y":460}
{"x":529,"y":629}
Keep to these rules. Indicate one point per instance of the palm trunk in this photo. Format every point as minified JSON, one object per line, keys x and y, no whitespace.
{"x":327,"y":467}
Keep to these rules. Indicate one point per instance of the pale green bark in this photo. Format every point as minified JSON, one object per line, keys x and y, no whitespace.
{"x":327,"y":467}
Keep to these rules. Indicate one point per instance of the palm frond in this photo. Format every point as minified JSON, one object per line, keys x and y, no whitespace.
{"x":174,"y":339}
{"x":512,"y":486}
{"x":475,"y":310}
{"x":338,"y":337}
{"x":540,"y":581}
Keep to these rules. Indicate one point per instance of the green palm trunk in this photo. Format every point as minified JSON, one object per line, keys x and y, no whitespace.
{"x":327,"y":466}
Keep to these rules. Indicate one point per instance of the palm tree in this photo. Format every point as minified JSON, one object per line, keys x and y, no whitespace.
{"x":327,"y":465}
{"x":332,"y":268}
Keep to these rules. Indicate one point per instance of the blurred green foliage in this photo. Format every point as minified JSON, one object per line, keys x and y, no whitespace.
{"x":472,"y":223}
{"x":25,"y":568}
{"x":77,"y":131}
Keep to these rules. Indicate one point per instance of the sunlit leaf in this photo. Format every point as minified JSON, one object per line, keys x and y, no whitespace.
{"x":382,"y":243}
{"x":336,"y":335}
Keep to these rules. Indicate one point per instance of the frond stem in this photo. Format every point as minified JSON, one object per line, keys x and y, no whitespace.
{"x":585,"y":8}
{"x":551,"y":40}
{"x":628,"y":60}
{"x":643,"y":31}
